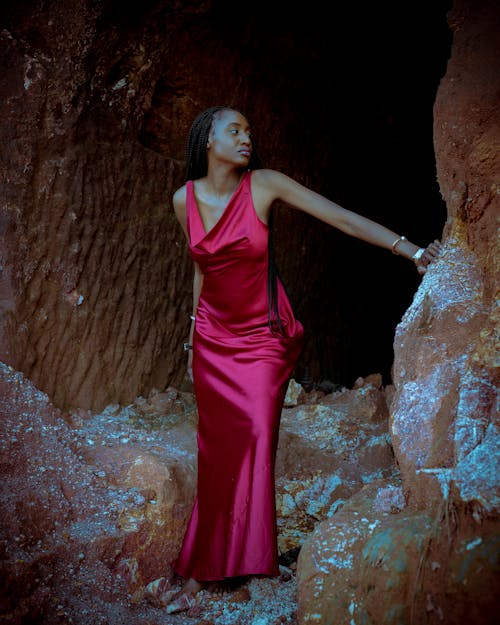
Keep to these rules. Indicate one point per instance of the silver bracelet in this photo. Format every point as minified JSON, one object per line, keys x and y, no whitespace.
{"x":396,"y":243}
{"x":418,"y":254}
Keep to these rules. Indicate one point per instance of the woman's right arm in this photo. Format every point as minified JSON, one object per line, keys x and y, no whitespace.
{"x":179,"y":202}
{"x":197,"y":285}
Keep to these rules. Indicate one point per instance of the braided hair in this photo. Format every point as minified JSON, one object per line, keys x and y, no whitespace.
{"x":197,"y":167}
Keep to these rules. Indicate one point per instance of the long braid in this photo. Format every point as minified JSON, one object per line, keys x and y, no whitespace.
{"x":197,"y":167}
{"x":273,"y":275}
{"x":196,"y":153}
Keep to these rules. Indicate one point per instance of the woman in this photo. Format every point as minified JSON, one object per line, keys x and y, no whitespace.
{"x":244,"y":343}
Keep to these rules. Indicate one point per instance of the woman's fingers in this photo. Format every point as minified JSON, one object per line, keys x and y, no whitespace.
{"x":434,"y":249}
{"x":431,"y":252}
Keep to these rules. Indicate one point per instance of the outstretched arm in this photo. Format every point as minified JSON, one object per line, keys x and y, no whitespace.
{"x":272,"y":185}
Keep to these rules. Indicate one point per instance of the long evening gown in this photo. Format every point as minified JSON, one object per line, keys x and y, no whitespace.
{"x":240,"y":371}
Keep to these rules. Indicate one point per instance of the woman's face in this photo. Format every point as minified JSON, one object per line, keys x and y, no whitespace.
{"x":230,"y":140}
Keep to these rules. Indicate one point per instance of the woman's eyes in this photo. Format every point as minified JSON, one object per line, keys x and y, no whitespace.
{"x":235,"y":131}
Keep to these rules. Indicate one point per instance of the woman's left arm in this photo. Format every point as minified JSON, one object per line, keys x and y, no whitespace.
{"x":278,"y":186}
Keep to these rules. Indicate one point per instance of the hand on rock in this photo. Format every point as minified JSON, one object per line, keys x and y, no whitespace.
{"x":431,"y":252}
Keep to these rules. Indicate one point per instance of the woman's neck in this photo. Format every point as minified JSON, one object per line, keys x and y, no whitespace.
{"x":220,"y":182}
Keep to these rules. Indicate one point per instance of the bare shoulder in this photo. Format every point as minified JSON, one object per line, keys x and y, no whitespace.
{"x":268,"y":183}
{"x":265,"y":185}
{"x":179,"y":202}
{"x":266,"y":177}
{"x":179,"y":198}
{"x":274,"y":185}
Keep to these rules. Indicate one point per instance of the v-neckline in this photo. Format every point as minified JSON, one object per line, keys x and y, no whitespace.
{"x":233,"y":195}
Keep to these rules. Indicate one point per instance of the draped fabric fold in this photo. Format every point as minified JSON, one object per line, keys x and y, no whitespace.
{"x":240,"y":370}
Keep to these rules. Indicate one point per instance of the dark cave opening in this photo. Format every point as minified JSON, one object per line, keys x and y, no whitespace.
{"x":352,"y":87}
{"x":362,"y":91}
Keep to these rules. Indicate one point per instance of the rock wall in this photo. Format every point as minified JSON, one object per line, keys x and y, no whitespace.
{"x":437,"y":559}
{"x":94,"y":299}
{"x":446,"y":347}
{"x":94,"y":279}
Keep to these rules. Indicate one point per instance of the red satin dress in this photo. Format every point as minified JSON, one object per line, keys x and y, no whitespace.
{"x":240,"y":371}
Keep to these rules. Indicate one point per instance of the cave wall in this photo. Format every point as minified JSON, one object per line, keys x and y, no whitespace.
{"x":445,"y":410}
{"x":97,"y":100}
{"x":90,"y":299}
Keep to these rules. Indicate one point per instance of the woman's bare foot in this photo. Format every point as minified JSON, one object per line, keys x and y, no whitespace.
{"x":226,"y":586}
{"x":185,"y":598}
{"x":192,"y":587}
{"x":217,"y":589}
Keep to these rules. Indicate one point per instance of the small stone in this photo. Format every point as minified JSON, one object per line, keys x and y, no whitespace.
{"x":294,"y":393}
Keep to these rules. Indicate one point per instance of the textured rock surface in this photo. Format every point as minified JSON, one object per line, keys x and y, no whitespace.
{"x":437,"y":561}
{"x":445,"y":411}
{"x":91,"y":302}
{"x":329,"y":448}
{"x":92,"y":505}
{"x":332,"y":588}
{"x":378,"y":561}
{"x":94,"y":296}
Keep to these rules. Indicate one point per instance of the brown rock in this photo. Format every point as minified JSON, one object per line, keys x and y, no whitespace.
{"x":327,"y":451}
{"x":95,"y":277}
{"x":92,"y":513}
{"x":445,"y":370}
{"x":371,"y":564}
{"x":294,"y":394}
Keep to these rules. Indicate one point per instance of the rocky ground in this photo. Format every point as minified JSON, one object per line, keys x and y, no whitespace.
{"x":95,"y":504}
{"x":257,"y":602}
